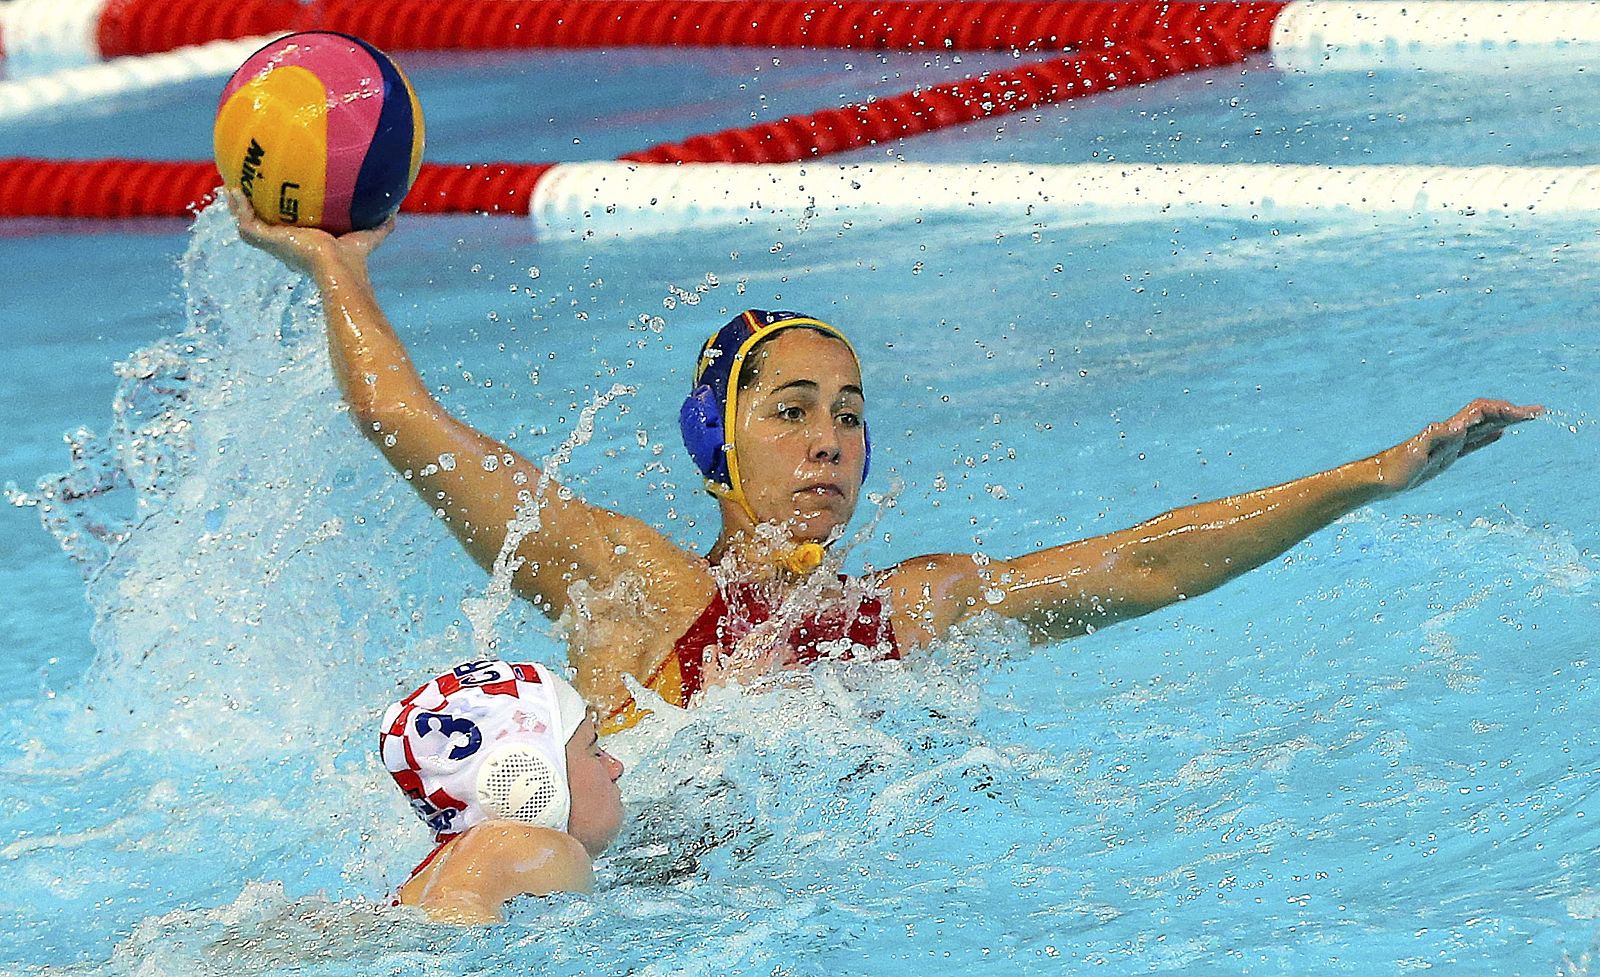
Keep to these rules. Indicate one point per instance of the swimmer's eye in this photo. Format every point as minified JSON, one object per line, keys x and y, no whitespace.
{"x":791,"y":412}
{"x":850,"y":420}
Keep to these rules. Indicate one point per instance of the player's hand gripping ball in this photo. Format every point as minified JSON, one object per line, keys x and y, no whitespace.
{"x":321,"y":130}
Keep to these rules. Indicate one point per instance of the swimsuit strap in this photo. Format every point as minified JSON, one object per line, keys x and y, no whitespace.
{"x":441,"y":846}
{"x":437,"y":849}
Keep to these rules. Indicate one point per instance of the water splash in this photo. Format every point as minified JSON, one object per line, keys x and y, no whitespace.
{"x":251,"y":612}
{"x":1036,"y":823}
{"x":214,"y":512}
{"x":485,"y":610}
{"x":1569,"y":421}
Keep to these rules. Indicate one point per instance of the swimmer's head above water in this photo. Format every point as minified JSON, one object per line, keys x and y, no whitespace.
{"x":495,"y":740}
{"x":775,"y":422}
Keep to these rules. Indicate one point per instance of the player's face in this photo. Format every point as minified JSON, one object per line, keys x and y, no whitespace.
{"x":799,"y":434}
{"x":592,"y":774}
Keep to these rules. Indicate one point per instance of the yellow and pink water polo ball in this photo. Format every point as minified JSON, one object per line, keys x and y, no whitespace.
{"x":322,"y":130}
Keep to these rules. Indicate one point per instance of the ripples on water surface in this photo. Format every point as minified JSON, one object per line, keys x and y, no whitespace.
{"x":1372,"y":756}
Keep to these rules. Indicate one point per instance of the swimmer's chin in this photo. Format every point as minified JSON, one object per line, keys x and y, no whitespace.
{"x":816,"y":527}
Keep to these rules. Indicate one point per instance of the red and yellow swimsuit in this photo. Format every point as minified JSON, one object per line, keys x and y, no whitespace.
{"x":733,"y":613}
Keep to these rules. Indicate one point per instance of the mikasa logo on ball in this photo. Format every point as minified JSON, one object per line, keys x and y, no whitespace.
{"x":253,"y":159}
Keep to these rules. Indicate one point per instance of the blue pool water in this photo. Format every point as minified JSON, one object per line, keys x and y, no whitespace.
{"x":1374,"y":755}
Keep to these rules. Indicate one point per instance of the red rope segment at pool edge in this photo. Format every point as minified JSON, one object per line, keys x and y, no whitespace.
{"x":482,"y":188}
{"x":151,"y":26}
{"x":112,"y":188}
{"x":102,"y":187}
{"x":134,"y":188}
{"x":830,"y":131}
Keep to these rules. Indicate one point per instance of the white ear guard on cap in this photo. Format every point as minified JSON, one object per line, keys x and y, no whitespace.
{"x":486,"y":740}
{"x":518,"y":783}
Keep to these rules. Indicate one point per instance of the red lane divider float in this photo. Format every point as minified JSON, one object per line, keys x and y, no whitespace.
{"x":103,"y":187}
{"x":151,"y":26}
{"x":134,"y":188}
{"x":113,"y":188}
{"x":803,"y":137}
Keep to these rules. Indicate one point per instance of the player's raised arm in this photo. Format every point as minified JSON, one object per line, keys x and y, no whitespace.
{"x":471,"y":481}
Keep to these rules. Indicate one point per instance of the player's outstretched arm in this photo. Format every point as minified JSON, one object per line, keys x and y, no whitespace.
{"x":1070,"y":589}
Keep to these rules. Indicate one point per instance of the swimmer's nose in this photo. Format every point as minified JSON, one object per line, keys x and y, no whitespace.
{"x":614,"y":767}
{"x":825,"y":444}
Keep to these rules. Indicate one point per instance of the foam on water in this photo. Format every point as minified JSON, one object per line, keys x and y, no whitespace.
{"x":765,"y":829}
{"x":238,"y":544}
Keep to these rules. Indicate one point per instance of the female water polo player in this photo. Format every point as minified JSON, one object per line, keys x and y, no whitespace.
{"x":776,"y":421}
{"x":502,"y":761}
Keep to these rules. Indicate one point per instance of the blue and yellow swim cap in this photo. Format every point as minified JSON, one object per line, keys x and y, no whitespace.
{"x":703,"y":419}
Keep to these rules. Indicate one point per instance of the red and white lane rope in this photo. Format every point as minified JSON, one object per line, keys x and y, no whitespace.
{"x":937,"y":107}
{"x":50,"y":44}
{"x":65,"y":32}
{"x":627,"y":198}
{"x":622,"y":199}
{"x":113,"y":188}
{"x":146,"y":26}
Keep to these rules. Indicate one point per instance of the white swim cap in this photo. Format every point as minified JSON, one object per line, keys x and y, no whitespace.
{"x":486,"y":740}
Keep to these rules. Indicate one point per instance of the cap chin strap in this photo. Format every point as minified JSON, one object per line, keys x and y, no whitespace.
{"x":802,"y":559}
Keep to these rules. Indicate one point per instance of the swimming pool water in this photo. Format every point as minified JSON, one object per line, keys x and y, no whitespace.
{"x":1463,"y":107}
{"x":1370,"y":756}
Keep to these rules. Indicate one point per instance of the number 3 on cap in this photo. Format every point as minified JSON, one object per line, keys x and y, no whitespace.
{"x":439,"y":722}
